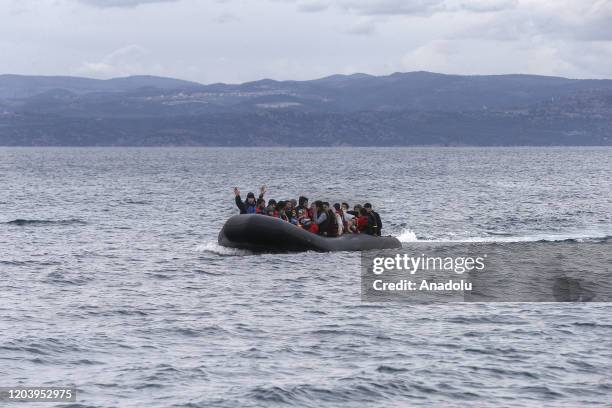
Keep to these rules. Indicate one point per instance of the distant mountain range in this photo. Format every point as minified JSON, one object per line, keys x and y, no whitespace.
{"x":415,"y":108}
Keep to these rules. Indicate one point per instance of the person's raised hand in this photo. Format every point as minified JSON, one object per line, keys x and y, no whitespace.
{"x":236,"y":191}
{"x":263,"y":190}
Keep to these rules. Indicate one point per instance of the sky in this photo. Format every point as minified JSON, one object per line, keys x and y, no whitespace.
{"x":234,"y":41}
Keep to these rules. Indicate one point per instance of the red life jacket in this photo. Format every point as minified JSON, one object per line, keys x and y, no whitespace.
{"x":362,"y":222}
{"x":307,"y":212}
{"x":305,"y":219}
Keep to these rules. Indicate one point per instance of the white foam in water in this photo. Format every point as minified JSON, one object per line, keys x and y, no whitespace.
{"x":407,"y":235}
{"x":215,"y":248}
{"x":577,"y":236}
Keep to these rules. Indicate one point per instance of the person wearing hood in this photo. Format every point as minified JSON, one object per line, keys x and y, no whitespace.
{"x":250,"y":205}
{"x":374,"y":225}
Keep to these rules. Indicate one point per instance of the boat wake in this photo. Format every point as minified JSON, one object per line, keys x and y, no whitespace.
{"x":215,"y":248}
{"x":408,"y":236}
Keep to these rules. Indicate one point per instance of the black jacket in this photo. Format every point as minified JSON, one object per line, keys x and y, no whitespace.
{"x":244,"y":207}
{"x":374,"y":224}
{"x":378,"y":223}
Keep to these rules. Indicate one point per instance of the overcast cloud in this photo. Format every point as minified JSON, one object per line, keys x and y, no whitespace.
{"x":241,"y":40}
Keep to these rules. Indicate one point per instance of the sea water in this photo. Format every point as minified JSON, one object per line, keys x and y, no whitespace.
{"x":112,"y":279}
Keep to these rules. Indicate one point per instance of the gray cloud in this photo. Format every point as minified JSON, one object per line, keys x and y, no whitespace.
{"x":567,"y":20}
{"x":485,"y":6}
{"x":594,"y":23}
{"x":362,"y":28}
{"x":124,"y":61}
{"x":390,"y":7}
{"x":301,"y":39}
{"x":121,"y":3}
{"x":224,"y":18}
{"x":313,"y":6}
{"x":413,"y":7}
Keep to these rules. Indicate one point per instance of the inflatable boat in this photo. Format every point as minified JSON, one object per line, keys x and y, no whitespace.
{"x":261,"y":233}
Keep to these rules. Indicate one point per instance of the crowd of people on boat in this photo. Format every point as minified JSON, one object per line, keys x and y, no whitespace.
{"x":318,"y":217}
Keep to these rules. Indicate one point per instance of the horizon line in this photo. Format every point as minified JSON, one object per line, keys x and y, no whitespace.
{"x":363,"y":74}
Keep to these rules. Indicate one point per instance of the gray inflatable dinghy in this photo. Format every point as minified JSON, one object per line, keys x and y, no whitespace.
{"x":261,"y":233}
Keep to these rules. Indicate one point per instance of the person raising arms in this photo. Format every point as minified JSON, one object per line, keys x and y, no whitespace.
{"x":250,"y":205}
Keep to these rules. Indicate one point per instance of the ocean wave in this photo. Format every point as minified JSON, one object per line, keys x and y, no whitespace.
{"x":13,"y":263}
{"x":133,"y":201}
{"x":366,"y":392}
{"x":62,"y":278}
{"x":46,"y":346}
{"x":24,"y":222}
{"x":29,"y":262}
{"x":390,"y":370}
{"x":217,"y":249}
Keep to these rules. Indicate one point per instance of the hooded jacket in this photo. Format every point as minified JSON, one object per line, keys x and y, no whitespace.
{"x":245,"y":207}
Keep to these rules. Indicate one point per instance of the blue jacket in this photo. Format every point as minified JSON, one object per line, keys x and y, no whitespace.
{"x":245,"y":207}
